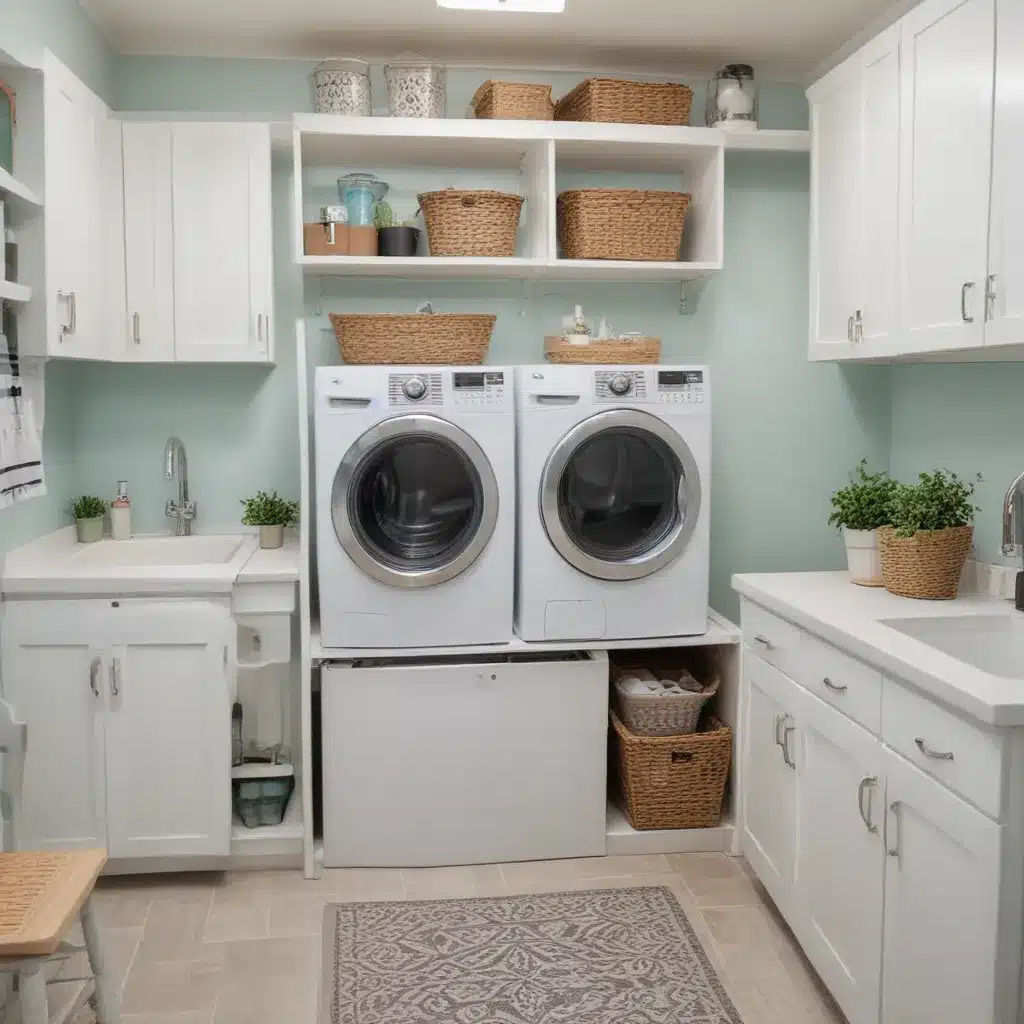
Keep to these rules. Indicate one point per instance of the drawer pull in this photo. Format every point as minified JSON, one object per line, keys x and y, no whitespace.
{"x":893,"y":849}
{"x":786,"y":730}
{"x":763,"y":641}
{"x":867,"y":784}
{"x":779,"y":719}
{"x":938,"y":755}
{"x":835,"y":687}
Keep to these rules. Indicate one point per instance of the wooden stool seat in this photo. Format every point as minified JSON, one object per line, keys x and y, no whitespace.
{"x":40,"y":896}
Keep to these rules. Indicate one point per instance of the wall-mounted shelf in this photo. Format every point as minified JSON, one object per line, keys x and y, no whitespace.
{"x":768,"y":141}
{"x":13,"y":292}
{"x":17,"y":192}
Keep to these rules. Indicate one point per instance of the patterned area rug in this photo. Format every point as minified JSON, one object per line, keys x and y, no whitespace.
{"x":615,"y":956}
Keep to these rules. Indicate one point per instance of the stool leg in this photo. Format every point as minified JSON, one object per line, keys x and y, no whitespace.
{"x":108,"y":1008}
{"x":32,"y":994}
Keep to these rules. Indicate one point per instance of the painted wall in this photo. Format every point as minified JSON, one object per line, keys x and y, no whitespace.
{"x":968,"y":418}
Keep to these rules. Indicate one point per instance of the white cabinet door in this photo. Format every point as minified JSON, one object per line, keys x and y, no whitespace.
{"x":168,"y":732}
{"x":942,"y":881}
{"x":769,"y":774}
{"x":147,"y":333}
{"x":51,"y":671}
{"x":948,"y":58}
{"x":836,"y":215}
{"x":223,"y":277}
{"x":840,"y":858}
{"x":1006,"y":239}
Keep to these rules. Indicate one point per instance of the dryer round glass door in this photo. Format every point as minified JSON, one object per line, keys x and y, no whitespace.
{"x":620,"y":495}
{"x":414,"y":501}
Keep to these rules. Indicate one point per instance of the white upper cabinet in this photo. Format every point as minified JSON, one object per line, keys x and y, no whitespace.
{"x":948,"y":67}
{"x":223,"y":275}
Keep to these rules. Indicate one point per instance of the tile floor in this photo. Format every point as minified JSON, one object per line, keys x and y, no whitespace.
{"x":244,"y":947}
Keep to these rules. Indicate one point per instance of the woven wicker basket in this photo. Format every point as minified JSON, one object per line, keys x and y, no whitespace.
{"x":560,"y":349}
{"x":621,"y":224}
{"x":927,"y":565}
{"x":652,"y":714}
{"x":513,"y":101}
{"x":617,"y":100}
{"x":674,"y":781}
{"x":405,"y":339}
{"x":471,"y":223}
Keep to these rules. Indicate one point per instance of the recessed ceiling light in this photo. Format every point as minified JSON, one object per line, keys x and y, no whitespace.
{"x":523,"y":6}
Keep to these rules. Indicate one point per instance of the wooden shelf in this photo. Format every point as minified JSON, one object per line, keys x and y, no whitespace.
{"x":15,"y":292}
{"x":768,"y":141}
{"x":17,"y":192}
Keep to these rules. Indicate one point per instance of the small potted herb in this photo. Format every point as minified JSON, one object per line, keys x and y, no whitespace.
{"x":859,"y":509}
{"x":926,"y":544}
{"x":393,"y":239}
{"x":271,"y":513}
{"x":88,"y":512}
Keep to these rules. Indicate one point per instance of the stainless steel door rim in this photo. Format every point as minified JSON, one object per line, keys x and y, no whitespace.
{"x":688,"y":497}
{"x":413,"y":427}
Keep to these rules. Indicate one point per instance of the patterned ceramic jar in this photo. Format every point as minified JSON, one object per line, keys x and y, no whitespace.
{"x":416,"y":90}
{"x":343,"y":87}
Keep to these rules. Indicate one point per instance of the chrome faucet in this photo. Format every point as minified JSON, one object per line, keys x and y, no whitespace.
{"x":1013,"y":517}
{"x":182,"y":511}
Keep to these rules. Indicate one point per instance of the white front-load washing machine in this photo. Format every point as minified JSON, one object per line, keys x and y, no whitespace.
{"x":415,"y":505}
{"x":614,"y":471}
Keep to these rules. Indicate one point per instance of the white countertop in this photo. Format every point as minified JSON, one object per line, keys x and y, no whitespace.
{"x":848,"y":616}
{"x":273,"y":565}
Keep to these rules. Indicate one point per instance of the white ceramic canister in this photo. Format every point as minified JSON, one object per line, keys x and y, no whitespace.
{"x":416,"y":90}
{"x":863,"y":557}
{"x":342,"y":87}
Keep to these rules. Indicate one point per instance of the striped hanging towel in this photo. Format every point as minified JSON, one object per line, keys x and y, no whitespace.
{"x":21,"y":447}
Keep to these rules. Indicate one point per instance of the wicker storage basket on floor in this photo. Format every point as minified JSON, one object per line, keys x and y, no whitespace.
{"x":559,"y":349}
{"x":513,"y":101}
{"x":621,"y":224}
{"x":618,"y":100}
{"x":927,"y":565}
{"x":405,"y":339}
{"x":674,"y":781}
{"x":471,"y":223}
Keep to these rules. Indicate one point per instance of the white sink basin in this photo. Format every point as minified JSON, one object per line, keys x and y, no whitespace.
{"x":155,"y":551}
{"x":991,"y":643}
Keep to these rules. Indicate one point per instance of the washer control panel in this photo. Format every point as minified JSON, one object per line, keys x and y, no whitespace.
{"x":478,"y":388}
{"x":415,"y":389}
{"x":614,"y":385}
{"x":681,"y":386}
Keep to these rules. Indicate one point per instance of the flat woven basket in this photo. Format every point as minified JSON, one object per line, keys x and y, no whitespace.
{"x":624,"y":102}
{"x":518,"y":101}
{"x":471,"y":223}
{"x":404,"y":339}
{"x":927,"y":565}
{"x":674,"y":781}
{"x":621,"y":224}
{"x":560,"y":349}
{"x":652,"y":714}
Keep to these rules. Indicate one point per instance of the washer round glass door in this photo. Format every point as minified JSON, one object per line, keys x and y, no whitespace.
{"x":414,"y":501}
{"x":620,"y":495}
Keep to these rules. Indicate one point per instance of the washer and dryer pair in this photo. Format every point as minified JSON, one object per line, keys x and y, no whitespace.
{"x":451,"y":500}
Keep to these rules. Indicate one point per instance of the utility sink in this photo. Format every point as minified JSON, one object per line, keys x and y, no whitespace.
{"x":990,"y":643}
{"x":155,"y":551}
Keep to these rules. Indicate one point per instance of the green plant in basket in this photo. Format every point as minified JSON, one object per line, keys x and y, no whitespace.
{"x":269,"y":510}
{"x":88,"y":507}
{"x":937,"y":501}
{"x":863,"y":504}
{"x":383,"y":215}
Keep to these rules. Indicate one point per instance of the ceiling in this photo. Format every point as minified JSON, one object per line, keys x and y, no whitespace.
{"x":792,"y":36}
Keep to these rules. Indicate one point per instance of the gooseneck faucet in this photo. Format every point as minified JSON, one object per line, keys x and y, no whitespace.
{"x":1013,"y":507}
{"x":183,"y":511}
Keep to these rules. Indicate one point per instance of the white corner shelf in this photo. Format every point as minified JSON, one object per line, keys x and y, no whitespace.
{"x":17,"y":192}
{"x":769,"y":141}
{"x":257,"y":770}
{"x":13,"y":292}
{"x":624,"y":840}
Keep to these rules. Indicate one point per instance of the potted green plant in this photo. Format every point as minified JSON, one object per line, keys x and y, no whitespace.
{"x":926,"y":544}
{"x":859,"y":509}
{"x":393,"y":239}
{"x":88,"y":512}
{"x":271,"y":513}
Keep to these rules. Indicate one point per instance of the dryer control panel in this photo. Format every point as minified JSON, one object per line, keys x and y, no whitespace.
{"x":478,"y":388}
{"x":685,"y":386}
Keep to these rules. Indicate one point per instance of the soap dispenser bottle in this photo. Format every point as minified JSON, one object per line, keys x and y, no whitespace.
{"x":121,"y":513}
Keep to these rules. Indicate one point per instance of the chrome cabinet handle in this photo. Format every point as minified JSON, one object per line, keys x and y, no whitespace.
{"x":867,"y":784}
{"x":893,"y":850}
{"x":938,"y":755}
{"x":835,"y":687}
{"x":763,"y":641}
{"x":72,"y":324}
{"x":858,"y":326}
{"x":136,"y":337}
{"x":849,"y":329}
{"x":259,"y":326}
{"x":115,"y":676}
{"x":94,"y":675}
{"x":779,"y":719}
{"x":786,"y":730}
{"x":990,"y":297}
{"x":967,"y":285}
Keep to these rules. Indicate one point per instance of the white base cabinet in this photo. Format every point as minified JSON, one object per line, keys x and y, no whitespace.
{"x":129,"y":716}
{"x":904,"y":896}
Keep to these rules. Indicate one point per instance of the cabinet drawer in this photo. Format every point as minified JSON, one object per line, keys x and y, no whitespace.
{"x":847,"y":684}
{"x":966,"y":757}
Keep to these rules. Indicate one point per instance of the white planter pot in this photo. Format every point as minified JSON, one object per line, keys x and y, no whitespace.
{"x":271,"y":536}
{"x":863,"y":557}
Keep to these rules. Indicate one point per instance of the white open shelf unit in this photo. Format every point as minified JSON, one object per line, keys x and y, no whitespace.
{"x":769,"y":141}
{"x":535,"y":159}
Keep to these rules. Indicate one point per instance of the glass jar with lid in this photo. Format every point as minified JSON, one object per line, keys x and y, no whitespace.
{"x":359,"y":192}
{"x":342,"y":86}
{"x":732,"y":98}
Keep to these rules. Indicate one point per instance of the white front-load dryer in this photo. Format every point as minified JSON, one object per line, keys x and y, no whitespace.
{"x":415,"y":504}
{"x":614,"y":472}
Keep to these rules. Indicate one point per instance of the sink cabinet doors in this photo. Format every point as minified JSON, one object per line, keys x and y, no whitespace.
{"x":129,"y":715}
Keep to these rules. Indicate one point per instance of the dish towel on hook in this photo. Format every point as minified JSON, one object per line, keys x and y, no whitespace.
{"x":21,"y":444}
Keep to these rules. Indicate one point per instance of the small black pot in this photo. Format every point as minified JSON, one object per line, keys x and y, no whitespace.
{"x":400,"y":241}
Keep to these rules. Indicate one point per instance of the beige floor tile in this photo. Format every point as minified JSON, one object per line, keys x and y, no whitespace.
{"x":172,"y":987}
{"x":274,"y":1001}
{"x":452,"y":883}
{"x":119,"y":945}
{"x":196,"y":1017}
{"x":174,"y":929}
{"x":583,"y":868}
{"x":194,"y":885}
{"x":297,"y":957}
{"x":233,"y":920}
{"x":715,"y":880}
{"x":295,"y":914}
{"x":121,"y":909}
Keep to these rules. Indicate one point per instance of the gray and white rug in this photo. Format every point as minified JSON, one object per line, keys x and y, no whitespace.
{"x":614,"y":956}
